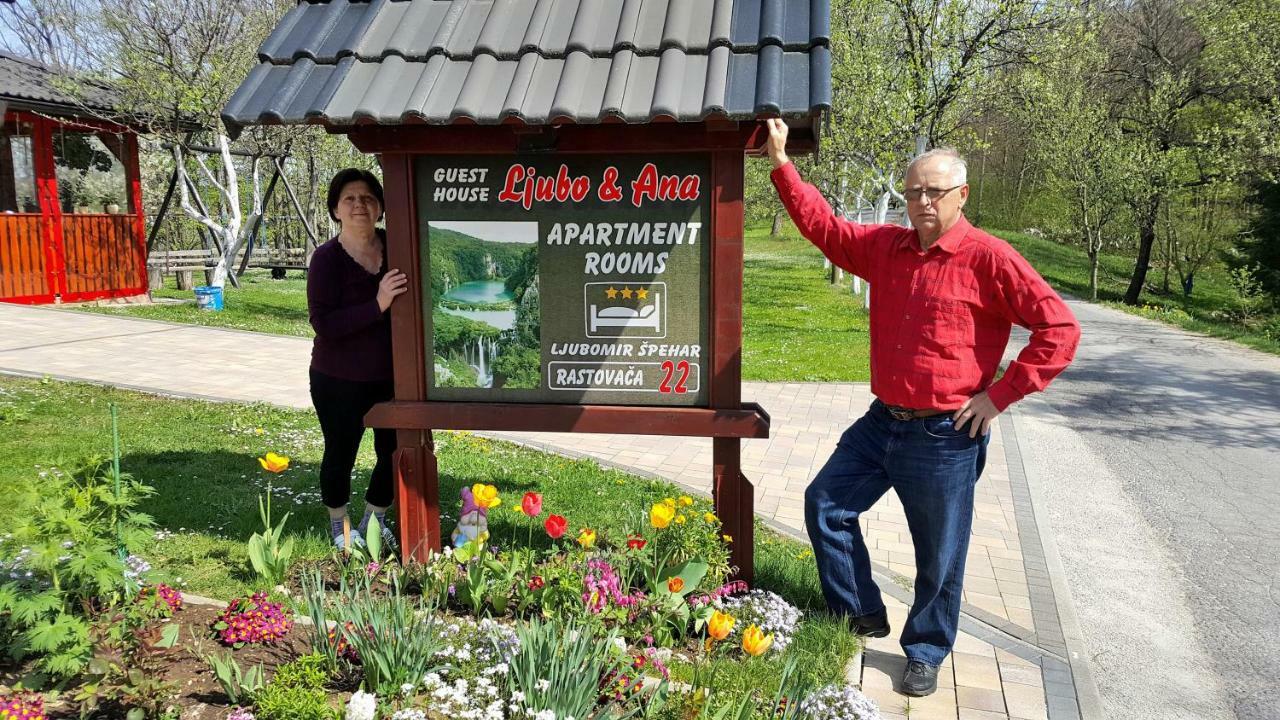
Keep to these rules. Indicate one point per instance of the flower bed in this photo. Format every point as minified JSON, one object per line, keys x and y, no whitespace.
{"x":584,"y":593}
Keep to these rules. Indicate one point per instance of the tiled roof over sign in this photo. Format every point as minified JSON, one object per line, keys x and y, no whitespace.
{"x":539,"y":61}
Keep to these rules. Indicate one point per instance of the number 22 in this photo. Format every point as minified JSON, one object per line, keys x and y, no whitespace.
{"x":669,"y":369}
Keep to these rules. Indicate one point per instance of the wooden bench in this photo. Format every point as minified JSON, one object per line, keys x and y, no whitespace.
{"x":183,"y":263}
{"x":278,"y":260}
{"x":180,"y":262}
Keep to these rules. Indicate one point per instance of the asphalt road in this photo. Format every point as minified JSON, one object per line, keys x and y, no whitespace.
{"x":1158,"y":453}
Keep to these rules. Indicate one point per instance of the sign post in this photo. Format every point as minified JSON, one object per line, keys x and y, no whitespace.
{"x":591,"y":286}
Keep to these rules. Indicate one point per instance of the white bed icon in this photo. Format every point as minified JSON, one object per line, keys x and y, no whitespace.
{"x":619,"y":319}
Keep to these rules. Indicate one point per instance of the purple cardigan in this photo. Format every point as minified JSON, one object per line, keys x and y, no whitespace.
{"x":353,"y":336}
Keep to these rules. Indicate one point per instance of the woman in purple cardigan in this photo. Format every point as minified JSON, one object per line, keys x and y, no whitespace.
{"x":349,"y":289}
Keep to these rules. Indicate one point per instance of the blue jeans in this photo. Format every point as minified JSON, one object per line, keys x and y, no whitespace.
{"x":933,"y":468}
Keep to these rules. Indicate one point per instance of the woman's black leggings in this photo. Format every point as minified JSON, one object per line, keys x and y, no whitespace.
{"x":340,"y":406}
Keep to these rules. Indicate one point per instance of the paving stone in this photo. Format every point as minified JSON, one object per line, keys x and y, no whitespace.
{"x":979,"y":671}
{"x":980,"y":698}
{"x":1025,"y":701}
{"x":971,"y":714}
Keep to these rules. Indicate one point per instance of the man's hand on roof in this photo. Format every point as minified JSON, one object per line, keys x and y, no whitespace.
{"x":777,"y":144}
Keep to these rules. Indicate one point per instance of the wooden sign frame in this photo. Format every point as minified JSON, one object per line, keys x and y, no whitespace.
{"x":414,"y":414}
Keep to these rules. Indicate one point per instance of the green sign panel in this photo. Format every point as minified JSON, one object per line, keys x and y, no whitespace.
{"x":576,"y":279}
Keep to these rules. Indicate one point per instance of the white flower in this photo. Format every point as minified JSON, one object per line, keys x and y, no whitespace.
{"x":517,"y":696}
{"x":406,"y":689}
{"x":542,"y":685}
{"x":362,"y":706}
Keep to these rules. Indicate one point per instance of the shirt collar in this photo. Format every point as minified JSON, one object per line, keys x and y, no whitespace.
{"x":950,"y":240}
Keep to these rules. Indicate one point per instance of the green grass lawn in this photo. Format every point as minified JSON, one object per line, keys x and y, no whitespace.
{"x":201,"y":459}
{"x":260,"y":303}
{"x":1067,"y":269}
{"x":798,"y":326}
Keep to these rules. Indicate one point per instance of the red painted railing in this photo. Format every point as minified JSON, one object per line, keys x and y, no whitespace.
{"x":24,"y":265}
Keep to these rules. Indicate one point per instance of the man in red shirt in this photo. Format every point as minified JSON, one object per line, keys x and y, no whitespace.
{"x":946,"y":296}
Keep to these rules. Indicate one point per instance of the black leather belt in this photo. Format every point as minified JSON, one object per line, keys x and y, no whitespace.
{"x":902,"y":413}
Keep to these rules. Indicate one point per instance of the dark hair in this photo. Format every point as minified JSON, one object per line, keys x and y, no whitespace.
{"x":345,"y":178}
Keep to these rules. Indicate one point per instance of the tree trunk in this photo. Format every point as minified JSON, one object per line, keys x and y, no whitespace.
{"x":776,"y":230}
{"x":1146,"y":239}
{"x":1093,"y":275}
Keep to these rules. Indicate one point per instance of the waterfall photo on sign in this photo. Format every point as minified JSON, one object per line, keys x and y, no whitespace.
{"x":485,"y":310}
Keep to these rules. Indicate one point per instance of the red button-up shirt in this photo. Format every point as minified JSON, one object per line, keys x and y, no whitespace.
{"x":940,"y":318}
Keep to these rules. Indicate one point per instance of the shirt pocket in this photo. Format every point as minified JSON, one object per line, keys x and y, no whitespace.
{"x":947,"y":323}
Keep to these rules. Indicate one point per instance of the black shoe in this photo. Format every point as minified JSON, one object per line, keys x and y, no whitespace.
{"x":919,"y":679}
{"x":875,"y":625}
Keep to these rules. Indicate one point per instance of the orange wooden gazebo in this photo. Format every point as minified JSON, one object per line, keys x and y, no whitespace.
{"x":71,"y":223}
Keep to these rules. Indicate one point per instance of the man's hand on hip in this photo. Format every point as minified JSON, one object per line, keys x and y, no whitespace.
{"x":980,"y":410}
{"x":777,"y":143}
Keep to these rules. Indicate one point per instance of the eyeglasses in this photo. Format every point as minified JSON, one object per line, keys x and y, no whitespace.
{"x":934,"y":194}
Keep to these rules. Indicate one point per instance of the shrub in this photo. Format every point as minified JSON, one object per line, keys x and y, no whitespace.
{"x":309,"y":672}
{"x":62,"y":561}
{"x":280,"y":702}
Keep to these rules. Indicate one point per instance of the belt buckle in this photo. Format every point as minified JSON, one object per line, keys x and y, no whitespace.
{"x":900,"y":413}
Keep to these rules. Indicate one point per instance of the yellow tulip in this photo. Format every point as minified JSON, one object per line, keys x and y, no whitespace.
{"x":661,"y":515}
{"x":720,"y":625}
{"x":486,"y":496}
{"x":686,"y":500}
{"x":755,"y":642}
{"x":587,"y":537}
{"x":274,"y":463}
{"x":669,"y":502}
{"x":710,"y":517}
{"x":681,"y":519}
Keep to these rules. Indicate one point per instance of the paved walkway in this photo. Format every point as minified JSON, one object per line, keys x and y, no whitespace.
{"x":1010,"y":661}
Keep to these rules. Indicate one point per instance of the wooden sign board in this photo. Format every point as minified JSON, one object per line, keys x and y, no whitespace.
{"x":567,"y":279}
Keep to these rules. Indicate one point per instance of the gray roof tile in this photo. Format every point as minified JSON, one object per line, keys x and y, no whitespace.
{"x":28,"y":82}
{"x":540,"y":61}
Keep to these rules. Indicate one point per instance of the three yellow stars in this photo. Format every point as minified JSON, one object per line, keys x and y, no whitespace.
{"x":627,"y":292}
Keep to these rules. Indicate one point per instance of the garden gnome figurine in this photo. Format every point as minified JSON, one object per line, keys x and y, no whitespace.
{"x":473,"y":521}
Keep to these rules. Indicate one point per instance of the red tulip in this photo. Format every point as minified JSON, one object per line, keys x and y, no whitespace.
{"x":537,"y":583}
{"x":532,"y":504}
{"x":556,"y":526}
{"x":636,"y":542}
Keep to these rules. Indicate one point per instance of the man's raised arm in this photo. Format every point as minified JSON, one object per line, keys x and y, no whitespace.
{"x":847,"y":244}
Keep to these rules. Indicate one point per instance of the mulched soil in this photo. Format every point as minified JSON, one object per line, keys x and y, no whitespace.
{"x":196,"y":691}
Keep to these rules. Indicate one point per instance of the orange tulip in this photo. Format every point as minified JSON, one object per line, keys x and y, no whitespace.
{"x":274,"y":463}
{"x":720,"y":625}
{"x":755,"y":642}
{"x":675,"y":584}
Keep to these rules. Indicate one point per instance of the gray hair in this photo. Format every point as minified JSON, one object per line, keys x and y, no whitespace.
{"x":959,"y":168}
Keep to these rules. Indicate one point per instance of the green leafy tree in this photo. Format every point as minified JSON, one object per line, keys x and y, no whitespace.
{"x":1085,"y":157}
{"x":1193,"y":86}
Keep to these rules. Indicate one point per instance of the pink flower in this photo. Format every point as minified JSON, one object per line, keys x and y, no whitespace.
{"x":253,"y":621}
